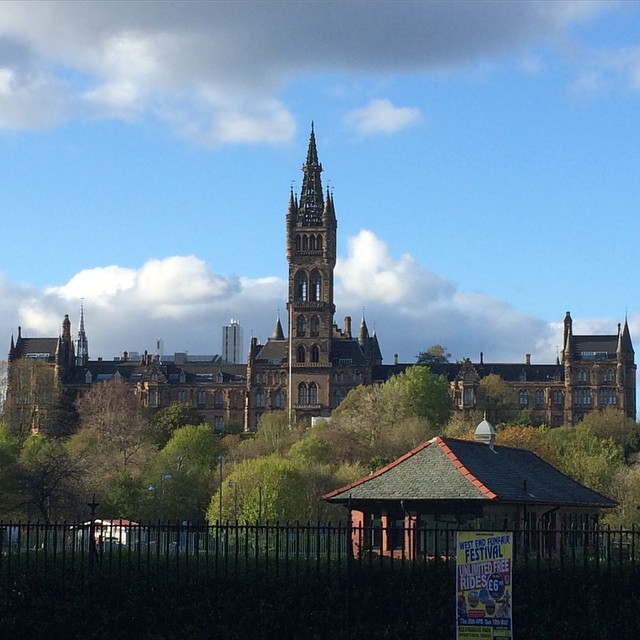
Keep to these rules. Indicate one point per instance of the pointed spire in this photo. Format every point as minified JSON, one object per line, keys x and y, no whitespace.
{"x":278,"y":333}
{"x":82,"y":344}
{"x":311,"y":200}
{"x":363,"y":333}
{"x":624,"y":339}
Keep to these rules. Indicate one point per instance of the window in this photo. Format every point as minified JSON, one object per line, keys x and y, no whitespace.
{"x":582,"y":397}
{"x":558,"y":398}
{"x":301,"y":327}
{"x":523,"y":397}
{"x":316,"y":282}
{"x":314,"y":326}
{"x":539,"y":396}
{"x":279,"y":399}
{"x":153,"y":398}
{"x":607,"y":375}
{"x":319,"y":243}
{"x":218,"y":424}
{"x":313,"y":393}
{"x":582,"y":375}
{"x":260,"y":398}
{"x":301,"y":354}
{"x":467,"y":397}
{"x":182,"y":396}
{"x":202,"y":398}
{"x":301,"y":286}
{"x":607,"y":396}
{"x":315,"y":353}
{"x":217,"y":399}
{"x":303,"y":395}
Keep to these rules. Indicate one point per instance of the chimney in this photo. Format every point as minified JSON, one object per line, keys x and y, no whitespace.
{"x":481,"y":357}
{"x":395,"y":358}
{"x":527,"y":358}
{"x":125,"y":356}
{"x":347,"y":326}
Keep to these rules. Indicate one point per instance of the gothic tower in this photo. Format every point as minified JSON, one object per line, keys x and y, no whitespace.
{"x":311,"y":254}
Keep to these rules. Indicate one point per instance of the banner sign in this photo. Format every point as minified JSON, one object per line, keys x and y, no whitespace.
{"x":483,"y":585}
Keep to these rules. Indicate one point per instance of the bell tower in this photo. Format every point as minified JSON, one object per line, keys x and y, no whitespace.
{"x":311,"y":254}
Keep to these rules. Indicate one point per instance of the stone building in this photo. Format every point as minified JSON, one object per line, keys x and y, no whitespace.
{"x":311,"y":368}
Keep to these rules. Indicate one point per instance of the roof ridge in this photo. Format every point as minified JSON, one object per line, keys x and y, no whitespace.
{"x":463,"y":470}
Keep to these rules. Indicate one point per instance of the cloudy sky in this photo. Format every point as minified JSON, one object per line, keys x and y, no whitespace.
{"x":483,"y":156}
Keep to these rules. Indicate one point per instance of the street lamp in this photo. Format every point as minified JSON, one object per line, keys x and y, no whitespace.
{"x":153,"y":487}
{"x":220,"y":461}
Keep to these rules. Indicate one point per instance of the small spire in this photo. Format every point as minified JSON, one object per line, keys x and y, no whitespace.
{"x":278,"y":333}
{"x":363,"y":333}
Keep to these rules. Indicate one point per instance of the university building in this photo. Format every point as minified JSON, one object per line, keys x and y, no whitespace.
{"x":311,"y":368}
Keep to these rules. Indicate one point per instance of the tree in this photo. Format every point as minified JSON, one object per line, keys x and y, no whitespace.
{"x":191,"y":458}
{"x":435,"y":354}
{"x":113,"y":412}
{"x":612,"y":423}
{"x":48,"y":478}
{"x":427,"y":395}
{"x":493,"y":395}
{"x":267,"y":488}
{"x":176,"y":415}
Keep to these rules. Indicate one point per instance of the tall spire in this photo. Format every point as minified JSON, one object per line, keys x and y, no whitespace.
{"x":311,"y":199}
{"x":278,"y":333}
{"x":82,"y":345}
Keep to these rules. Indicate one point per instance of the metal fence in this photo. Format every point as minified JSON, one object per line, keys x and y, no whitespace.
{"x":235,"y":547}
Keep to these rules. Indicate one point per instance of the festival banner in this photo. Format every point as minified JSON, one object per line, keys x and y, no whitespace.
{"x":483,"y":585}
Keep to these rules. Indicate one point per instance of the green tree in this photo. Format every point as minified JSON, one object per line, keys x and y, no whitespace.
{"x":191,"y":458}
{"x":172,"y":417}
{"x":435,"y":354}
{"x":614,"y":424}
{"x":494,"y":396}
{"x":267,"y":488}
{"x":427,"y":395}
{"x":588,"y":459}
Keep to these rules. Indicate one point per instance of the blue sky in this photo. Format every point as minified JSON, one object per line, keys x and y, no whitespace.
{"x":483,"y":158}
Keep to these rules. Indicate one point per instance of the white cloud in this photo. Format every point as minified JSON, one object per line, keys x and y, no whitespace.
{"x":181,"y":300}
{"x":168,"y":59}
{"x":381,"y":116}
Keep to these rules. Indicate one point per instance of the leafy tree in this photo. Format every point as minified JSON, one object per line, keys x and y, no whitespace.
{"x":266,"y":488}
{"x":427,"y":395}
{"x":191,"y":458}
{"x":462,"y":424}
{"x":274,"y":435}
{"x":176,"y":415}
{"x":626,"y":492}
{"x":48,"y":478}
{"x":494,"y":395}
{"x":588,"y":459}
{"x":435,"y":354}
{"x":614,"y":424}
{"x":529,"y":438}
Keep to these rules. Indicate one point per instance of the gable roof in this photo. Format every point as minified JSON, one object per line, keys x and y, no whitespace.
{"x":447,"y":469}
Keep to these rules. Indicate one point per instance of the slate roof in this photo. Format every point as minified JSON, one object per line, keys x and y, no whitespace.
{"x":447,"y":469}
{"x":25,"y":346}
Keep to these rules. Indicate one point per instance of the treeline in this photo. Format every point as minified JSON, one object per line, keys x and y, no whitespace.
{"x":170,"y":465}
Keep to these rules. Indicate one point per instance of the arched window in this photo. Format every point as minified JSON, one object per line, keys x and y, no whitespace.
{"x":539,"y":396}
{"x":314,"y":326}
{"x":301,"y":327}
{"x":202,"y":398}
{"x":260,"y":399}
{"x":182,"y":396}
{"x":301,"y":354}
{"x":301,"y":286}
{"x":217,"y":399}
{"x":312,"y":243}
{"x":303,"y":394}
{"x":524,"y":397}
{"x":279,"y":399}
{"x":607,"y":375}
{"x":582,"y":375}
{"x":315,"y":353}
{"x":319,"y":243}
{"x":316,"y":286}
{"x":313,"y":393}
{"x":298,"y":243}
{"x":305,"y":243}
{"x":558,"y":397}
